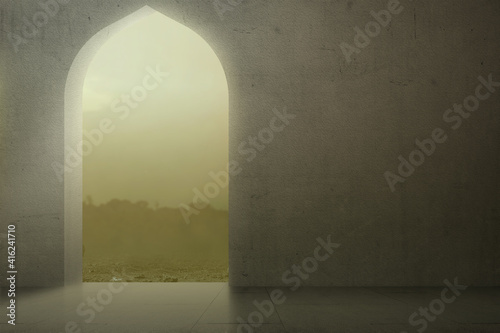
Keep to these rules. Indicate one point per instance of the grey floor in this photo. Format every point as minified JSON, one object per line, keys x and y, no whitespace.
{"x":215,"y":307}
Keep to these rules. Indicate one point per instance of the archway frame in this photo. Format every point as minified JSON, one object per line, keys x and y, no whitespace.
{"x":73,"y":122}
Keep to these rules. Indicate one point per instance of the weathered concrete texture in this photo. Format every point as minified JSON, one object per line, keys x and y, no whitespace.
{"x":324,"y":173}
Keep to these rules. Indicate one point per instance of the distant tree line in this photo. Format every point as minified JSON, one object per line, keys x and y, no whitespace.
{"x":120,"y":228}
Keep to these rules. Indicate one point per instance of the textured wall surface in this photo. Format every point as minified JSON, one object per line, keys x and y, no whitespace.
{"x":323,"y":174}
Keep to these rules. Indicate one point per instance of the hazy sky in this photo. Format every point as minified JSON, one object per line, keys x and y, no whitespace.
{"x":178,"y":134}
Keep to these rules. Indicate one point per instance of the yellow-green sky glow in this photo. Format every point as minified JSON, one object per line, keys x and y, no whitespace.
{"x":168,"y":144}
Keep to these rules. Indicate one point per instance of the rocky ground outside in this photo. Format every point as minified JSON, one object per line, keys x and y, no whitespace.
{"x":121,"y":269}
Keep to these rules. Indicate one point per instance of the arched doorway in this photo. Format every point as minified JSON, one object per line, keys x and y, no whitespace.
{"x":154,"y":113}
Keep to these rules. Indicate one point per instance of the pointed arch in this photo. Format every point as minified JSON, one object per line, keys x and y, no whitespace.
{"x":73,"y":122}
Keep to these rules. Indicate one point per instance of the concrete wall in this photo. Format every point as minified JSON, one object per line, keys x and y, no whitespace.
{"x":324,"y":173}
